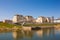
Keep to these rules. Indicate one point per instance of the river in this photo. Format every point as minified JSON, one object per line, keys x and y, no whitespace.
{"x":43,"y":34}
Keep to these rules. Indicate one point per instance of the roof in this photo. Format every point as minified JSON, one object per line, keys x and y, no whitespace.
{"x":18,"y":15}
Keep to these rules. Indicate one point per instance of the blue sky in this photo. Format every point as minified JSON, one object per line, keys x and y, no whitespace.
{"x":35,"y":8}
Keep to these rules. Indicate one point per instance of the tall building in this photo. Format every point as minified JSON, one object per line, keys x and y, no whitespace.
{"x":18,"y":19}
{"x":40,"y":19}
{"x":30,"y":19}
{"x":48,"y":19}
{"x":52,"y":19}
{"x":43,"y":19}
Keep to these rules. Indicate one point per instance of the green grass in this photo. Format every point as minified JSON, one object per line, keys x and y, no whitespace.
{"x":8,"y":25}
{"x":38,"y":24}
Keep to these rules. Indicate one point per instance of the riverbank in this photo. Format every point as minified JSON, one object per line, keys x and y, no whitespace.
{"x":9,"y":27}
{"x":14,"y":27}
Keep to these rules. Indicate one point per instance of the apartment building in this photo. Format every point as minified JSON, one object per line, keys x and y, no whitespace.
{"x":18,"y":19}
{"x":43,"y":19}
{"x":30,"y":19}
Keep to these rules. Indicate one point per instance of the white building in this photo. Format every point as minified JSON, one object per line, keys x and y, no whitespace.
{"x":18,"y":19}
{"x":43,"y":19}
{"x":57,"y":21}
{"x":30,"y":19}
{"x":48,"y":19}
{"x":40,"y":19}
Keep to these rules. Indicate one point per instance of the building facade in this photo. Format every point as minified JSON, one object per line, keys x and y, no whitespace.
{"x":40,"y":19}
{"x":30,"y":19}
{"x":18,"y":19}
{"x":43,"y":19}
{"x":56,"y":20}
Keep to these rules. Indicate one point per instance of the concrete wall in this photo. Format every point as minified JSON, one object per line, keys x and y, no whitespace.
{"x":26,"y":28}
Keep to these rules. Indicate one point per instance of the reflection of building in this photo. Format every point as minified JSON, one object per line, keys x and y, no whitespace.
{"x":48,"y":31}
{"x":48,"y":34}
{"x":40,"y":33}
{"x":18,"y":35}
{"x":14,"y":34}
{"x":42,"y":19}
{"x":7,"y":21}
{"x":44,"y":33}
{"x":18,"y":19}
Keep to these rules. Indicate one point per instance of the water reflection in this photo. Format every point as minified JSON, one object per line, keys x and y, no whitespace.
{"x":43,"y":34}
{"x":22,"y":35}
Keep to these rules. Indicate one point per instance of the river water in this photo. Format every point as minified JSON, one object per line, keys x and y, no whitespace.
{"x":43,"y":34}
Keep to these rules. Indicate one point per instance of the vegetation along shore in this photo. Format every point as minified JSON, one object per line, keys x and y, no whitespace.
{"x":10,"y":27}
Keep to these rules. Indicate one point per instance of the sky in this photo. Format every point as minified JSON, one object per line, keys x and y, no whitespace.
{"x":35,"y":8}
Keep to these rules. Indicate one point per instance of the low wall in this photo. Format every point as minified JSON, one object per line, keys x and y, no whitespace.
{"x":26,"y":28}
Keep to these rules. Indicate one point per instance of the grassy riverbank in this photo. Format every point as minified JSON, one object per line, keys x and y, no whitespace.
{"x":15,"y":27}
{"x":9,"y":27}
{"x":6,"y":25}
{"x":45,"y":24}
{"x":2,"y":25}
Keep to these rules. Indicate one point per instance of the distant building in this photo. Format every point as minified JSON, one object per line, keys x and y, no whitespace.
{"x":30,"y":19}
{"x":43,"y":19}
{"x":18,"y":19}
{"x":56,"y":20}
{"x":7,"y":21}
{"x":48,"y":19}
{"x":40,"y":19}
{"x":52,"y":19}
{"x":1,"y":21}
